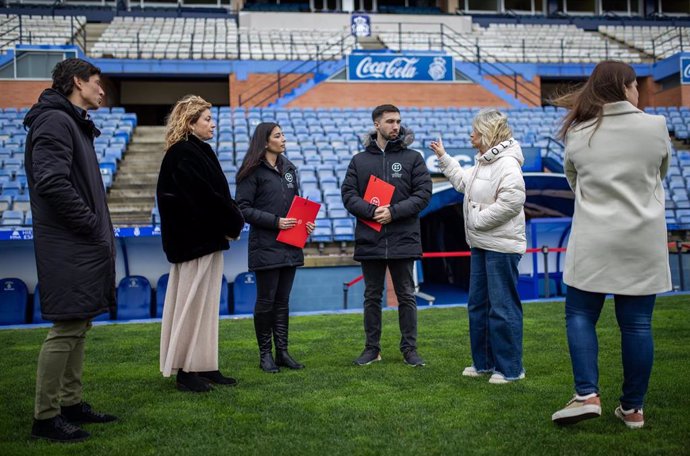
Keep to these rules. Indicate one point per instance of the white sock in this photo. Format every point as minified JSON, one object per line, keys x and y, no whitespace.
{"x":586,"y":396}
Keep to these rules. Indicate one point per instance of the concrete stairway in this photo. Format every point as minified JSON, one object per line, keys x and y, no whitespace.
{"x":132,"y":195}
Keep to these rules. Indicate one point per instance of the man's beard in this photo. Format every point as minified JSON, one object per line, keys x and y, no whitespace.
{"x":390,"y":136}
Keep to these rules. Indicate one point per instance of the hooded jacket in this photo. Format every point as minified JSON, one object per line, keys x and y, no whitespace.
{"x":403,"y":168}
{"x":197,"y":212}
{"x":264,"y":197}
{"x":494,"y":189}
{"x":73,"y":236}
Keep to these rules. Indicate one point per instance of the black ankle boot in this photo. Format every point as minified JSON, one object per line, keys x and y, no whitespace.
{"x":284,"y":359}
{"x":191,"y":382}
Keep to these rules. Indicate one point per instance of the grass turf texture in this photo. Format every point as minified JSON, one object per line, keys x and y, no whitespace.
{"x":333,"y":407}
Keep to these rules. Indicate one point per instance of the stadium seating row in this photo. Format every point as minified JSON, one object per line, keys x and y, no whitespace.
{"x":29,"y":29}
{"x":219,"y":38}
{"x":135,"y":299}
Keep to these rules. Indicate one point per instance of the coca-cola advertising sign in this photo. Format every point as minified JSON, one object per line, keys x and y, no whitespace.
{"x":400,"y":67}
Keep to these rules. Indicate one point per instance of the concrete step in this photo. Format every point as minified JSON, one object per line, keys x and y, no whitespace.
{"x":130,"y":193}
{"x":132,"y":167}
{"x":157,"y":148}
{"x":136,"y":178}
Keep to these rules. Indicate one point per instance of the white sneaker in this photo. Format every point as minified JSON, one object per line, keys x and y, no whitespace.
{"x":472,"y":371}
{"x":499,"y":379}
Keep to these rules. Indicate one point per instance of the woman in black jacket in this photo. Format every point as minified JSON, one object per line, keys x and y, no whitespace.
{"x":266,"y":184}
{"x":198,"y":217}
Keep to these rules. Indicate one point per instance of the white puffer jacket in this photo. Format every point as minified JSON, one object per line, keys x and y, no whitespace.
{"x":494,"y":197}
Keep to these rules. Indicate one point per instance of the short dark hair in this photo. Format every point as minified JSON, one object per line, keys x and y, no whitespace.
{"x":65,"y":71}
{"x":380,"y":110}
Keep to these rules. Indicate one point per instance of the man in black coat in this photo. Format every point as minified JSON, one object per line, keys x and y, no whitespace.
{"x":398,"y":243}
{"x":73,"y":241}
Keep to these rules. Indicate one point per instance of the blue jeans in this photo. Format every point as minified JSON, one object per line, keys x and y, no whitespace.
{"x":634,"y":316}
{"x":495,"y":313}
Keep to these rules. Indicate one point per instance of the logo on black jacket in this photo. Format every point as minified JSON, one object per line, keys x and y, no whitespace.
{"x":289,"y":178}
{"x":397,"y":167}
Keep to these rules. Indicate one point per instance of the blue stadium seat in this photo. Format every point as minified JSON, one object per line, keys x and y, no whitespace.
{"x":323,"y":231}
{"x":133,"y":298}
{"x":161,"y":288}
{"x":244,"y":291}
{"x":13,"y":299}
{"x":12,"y":218}
{"x":224,"y":308}
{"x":343,"y":230}
{"x":37,"y":318}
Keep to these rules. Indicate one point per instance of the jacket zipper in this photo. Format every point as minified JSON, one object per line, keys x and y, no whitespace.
{"x":385,"y":176}
{"x":283,"y":192}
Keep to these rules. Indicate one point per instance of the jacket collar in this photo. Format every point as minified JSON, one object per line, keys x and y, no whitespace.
{"x":507,"y":148}
{"x":619,"y":108}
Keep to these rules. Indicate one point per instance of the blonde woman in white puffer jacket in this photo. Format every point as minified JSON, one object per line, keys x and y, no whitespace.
{"x":495,"y":230}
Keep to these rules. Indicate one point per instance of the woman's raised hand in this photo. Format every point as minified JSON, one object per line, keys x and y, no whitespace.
{"x":437,"y":147}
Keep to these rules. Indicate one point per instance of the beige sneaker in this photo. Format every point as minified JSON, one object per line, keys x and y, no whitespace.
{"x":633,"y":418}
{"x":578,"y":409}
{"x":472,"y":371}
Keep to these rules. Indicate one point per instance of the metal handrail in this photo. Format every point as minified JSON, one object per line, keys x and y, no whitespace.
{"x":501,"y":68}
{"x":668,"y":36}
{"x":289,"y":75}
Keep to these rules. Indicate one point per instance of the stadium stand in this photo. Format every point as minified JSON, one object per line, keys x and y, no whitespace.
{"x":555,"y":43}
{"x":657,"y":41}
{"x":116,"y":128}
{"x":28,"y":29}
{"x":212,"y":38}
{"x":321,"y":143}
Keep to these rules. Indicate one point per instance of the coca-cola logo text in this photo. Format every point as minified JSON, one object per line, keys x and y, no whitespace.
{"x":397,"y":68}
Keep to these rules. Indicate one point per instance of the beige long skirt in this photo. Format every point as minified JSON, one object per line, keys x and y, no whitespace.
{"x":189,"y":333}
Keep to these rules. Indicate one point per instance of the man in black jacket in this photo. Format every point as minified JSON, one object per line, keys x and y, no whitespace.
{"x":398,"y":243}
{"x":73,"y":242}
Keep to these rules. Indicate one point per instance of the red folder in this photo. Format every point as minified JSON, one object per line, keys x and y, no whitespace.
{"x":379,"y":193}
{"x":304,"y":211}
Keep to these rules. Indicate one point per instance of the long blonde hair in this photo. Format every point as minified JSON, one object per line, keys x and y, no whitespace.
{"x":493,"y":127}
{"x":186,"y":112}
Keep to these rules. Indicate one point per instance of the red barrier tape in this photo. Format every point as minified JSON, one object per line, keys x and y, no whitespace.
{"x":466,"y":254}
{"x":349,"y":284}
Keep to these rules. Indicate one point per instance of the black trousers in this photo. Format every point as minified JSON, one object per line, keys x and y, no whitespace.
{"x":374,"y":280}
{"x":273,"y":288}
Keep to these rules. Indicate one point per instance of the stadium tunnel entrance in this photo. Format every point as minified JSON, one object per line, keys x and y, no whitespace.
{"x":548,"y":208}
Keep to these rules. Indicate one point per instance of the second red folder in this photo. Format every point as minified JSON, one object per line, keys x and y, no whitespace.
{"x":379,"y":193}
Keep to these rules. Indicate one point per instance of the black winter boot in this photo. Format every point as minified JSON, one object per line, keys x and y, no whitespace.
{"x":280,"y":334}
{"x":263,"y":322}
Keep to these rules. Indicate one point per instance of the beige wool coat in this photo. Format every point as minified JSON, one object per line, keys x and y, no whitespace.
{"x":618,"y":242}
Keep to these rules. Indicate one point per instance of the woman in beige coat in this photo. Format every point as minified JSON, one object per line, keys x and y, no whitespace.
{"x":615,"y":159}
